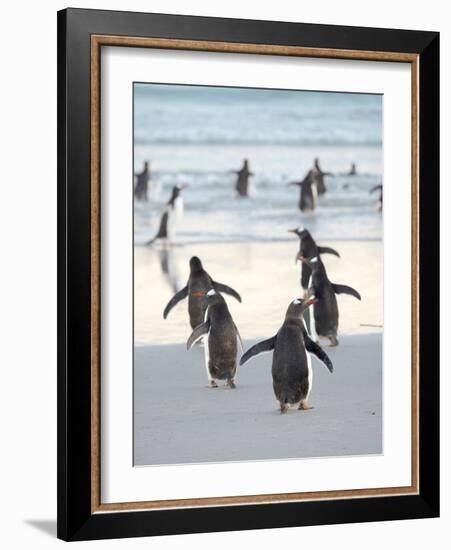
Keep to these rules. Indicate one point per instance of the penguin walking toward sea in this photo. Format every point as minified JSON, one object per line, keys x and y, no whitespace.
{"x":308,"y":192}
{"x":221,"y":340}
{"x":291,"y":363}
{"x":309,"y":249}
{"x":325,"y":310}
{"x":318,"y":175}
{"x":198,"y":285}
{"x":242,"y":181}
{"x":172,"y":212}
{"x":142,"y":183}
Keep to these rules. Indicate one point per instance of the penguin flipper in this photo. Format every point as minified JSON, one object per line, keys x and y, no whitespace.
{"x":261,"y":347}
{"x":197,"y":333}
{"x":344,"y":289}
{"x":317,"y":351}
{"x":327,"y":250}
{"x":181,"y":294}
{"x":227,"y":290}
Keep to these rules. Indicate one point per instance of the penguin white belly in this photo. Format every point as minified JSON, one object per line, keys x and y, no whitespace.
{"x":314,"y":194}
{"x":175,"y":213}
{"x":313,"y":334}
{"x":178,"y":207}
{"x":207,"y":356}
{"x":206,"y":349}
{"x":310,"y":374}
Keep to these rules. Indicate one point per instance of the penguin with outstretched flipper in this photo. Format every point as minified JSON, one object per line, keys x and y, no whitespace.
{"x":199,"y":283}
{"x":309,"y":249}
{"x":170,"y":215}
{"x":291,"y":363}
{"x":325,"y":311}
{"x":308,"y":192}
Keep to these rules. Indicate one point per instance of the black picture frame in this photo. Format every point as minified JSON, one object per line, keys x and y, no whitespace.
{"x":76,"y":520}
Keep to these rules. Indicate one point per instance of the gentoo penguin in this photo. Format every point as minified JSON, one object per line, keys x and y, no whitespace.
{"x":171,"y":212}
{"x":309,"y":249}
{"x":142,"y":183}
{"x":199,"y":283}
{"x":221,"y":340}
{"x":242,"y":182}
{"x":308,"y":195}
{"x":381,"y":195}
{"x":325,"y":311}
{"x":291,"y":363}
{"x":318,"y":175}
{"x":353,"y":170}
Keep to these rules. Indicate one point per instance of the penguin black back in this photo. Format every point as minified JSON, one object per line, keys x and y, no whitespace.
{"x":199,"y":283}
{"x":291,"y":367}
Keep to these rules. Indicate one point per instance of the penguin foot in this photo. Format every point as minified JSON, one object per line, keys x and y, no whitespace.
{"x":333,"y":341}
{"x":231,"y":384}
{"x":212,"y":384}
{"x":304,"y":406}
{"x":283,"y":408}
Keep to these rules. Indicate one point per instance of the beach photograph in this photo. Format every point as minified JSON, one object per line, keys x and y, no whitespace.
{"x":258,"y":274}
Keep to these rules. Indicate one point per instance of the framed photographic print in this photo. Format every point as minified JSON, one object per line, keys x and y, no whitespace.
{"x":248,"y":274}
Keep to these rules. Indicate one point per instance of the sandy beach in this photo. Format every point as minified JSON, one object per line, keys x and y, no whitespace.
{"x":177,"y":419}
{"x":198,"y":138}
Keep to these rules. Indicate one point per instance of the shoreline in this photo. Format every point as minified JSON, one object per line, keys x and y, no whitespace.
{"x":265,"y":275}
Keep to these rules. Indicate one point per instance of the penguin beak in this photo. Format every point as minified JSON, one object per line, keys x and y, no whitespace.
{"x":199,"y":294}
{"x":292,"y":231}
{"x":184,"y":186}
{"x":312,"y":301}
{"x":302,"y":259}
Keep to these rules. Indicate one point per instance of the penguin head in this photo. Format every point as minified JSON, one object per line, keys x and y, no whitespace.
{"x":301,"y":232}
{"x":299,"y":305}
{"x":177,"y":189}
{"x":195,"y":264}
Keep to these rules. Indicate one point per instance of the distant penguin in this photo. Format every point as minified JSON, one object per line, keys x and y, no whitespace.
{"x":318,"y":175}
{"x":353,"y":170}
{"x":221,"y":340}
{"x":142,"y":183}
{"x":381,"y":195}
{"x":171,"y":212}
{"x":291,"y":363}
{"x":325,"y":311}
{"x":308,"y":194}
{"x":199,"y":283}
{"x":309,"y":249}
{"x":242,"y":182}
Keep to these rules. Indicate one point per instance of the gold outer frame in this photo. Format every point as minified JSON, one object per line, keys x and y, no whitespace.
{"x":97,"y":41}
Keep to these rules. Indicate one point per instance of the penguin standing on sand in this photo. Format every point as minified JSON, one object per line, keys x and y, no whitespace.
{"x":198,"y":285}
{"x":170,"y":215}
{"x":221,"y":340}
{"x":325,"y":310}
{"x":291,"y":363}
{"x":309,"y":249}
{"x":242,"y":182}
{"x":308,"y":195}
